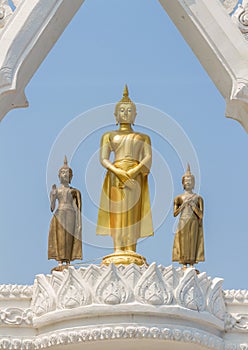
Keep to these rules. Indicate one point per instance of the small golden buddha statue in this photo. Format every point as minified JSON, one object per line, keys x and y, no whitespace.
{"x":188,"y":246}
{"x":65,"y":234}
{"x":124,"y":211}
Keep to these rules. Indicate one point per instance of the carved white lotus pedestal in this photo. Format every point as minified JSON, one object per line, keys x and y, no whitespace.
{"x":124,"y":307}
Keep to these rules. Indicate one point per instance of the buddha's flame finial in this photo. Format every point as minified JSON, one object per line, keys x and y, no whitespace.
{"x":65,"y":162}
{"x":188,"y":172}
{"x":125,"y":91}
{"x":125,"y":97}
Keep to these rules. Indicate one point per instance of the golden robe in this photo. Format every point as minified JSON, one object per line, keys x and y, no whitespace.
{"x":65,"y":233}
{"x":188,"y":245}
{"x":125,"y":209}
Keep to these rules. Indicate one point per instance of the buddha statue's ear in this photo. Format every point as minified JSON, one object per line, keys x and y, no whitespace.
{"x":116,"y":113}
{"x":134,"y":115}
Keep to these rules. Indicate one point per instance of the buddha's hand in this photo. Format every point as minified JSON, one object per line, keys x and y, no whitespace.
{"x":193,"y":204}
{"x":187,"y":201}
{"x":122,"y":175}
{"x":53,"y":195}
{"x":54,"y":190}
{"x":185,"y":204}
{"x":133,"y":173}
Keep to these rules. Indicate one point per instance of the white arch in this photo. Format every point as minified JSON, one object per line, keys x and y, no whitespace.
{"x":34,"y":27}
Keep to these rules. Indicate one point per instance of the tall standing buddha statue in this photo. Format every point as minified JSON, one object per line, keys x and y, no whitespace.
{"x":124,"y":212}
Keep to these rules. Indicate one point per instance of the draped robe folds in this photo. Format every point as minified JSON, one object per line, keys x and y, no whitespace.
{"x":188,"y":245}
{"x":125,"y":210}
{"x":65,"y":233}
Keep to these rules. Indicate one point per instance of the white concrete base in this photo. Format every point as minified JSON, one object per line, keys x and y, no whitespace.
{"x":124,"y":306}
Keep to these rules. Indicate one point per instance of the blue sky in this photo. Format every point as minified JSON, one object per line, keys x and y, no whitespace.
{"x":106,"y":45}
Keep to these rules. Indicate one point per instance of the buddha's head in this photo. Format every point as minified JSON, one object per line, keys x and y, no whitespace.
{"x":65,"y":173}
{"x":125,"y":109}
{"x":188,"y":180}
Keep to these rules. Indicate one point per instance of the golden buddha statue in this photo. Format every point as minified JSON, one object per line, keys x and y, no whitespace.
{"x":65,"y":234}
{"x":124,"y":211}
{"x":188,"y":246}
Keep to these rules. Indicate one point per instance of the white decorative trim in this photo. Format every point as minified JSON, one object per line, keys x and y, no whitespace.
{"x":230,"y":322}
{"x":230,"y":346}
{"x":236,"y":296}
{"x":44,"y":299}
{"x":229,"y":5}
{"x":5,"y":76}
{"x":72,"y":293}
{"x":5,"y":12}
{"x":15,"y":316}
{"x":189,"y":294}
{"x":240,"y":18}
{"x":101,"y":303}
{"x":236,"y":346}
{"x":14,"y":291}
{"x":110,"y":285}
{"x":154,"y":288}
{"x":240,"y":91}
{"x":241,"y":323}
{"x":215,"y":301}
{"x":111,"y":288}
{"x":108,"y":332}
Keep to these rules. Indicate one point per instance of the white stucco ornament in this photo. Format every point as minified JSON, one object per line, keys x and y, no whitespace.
{"x":154,"y":288}
{"x":229,"y":4}
{"x":153,"y":285}
{"x":189,"y":294}
{"x":156,"y":306}
{"x":13,"y":291}
{"x":240,"y":18}
{"x":5,"y":12}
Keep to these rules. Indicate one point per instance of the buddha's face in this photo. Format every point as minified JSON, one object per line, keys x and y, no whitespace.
{"x":126,"y":113}
{"x":64,"y":176}
{"x":188,"y":183}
